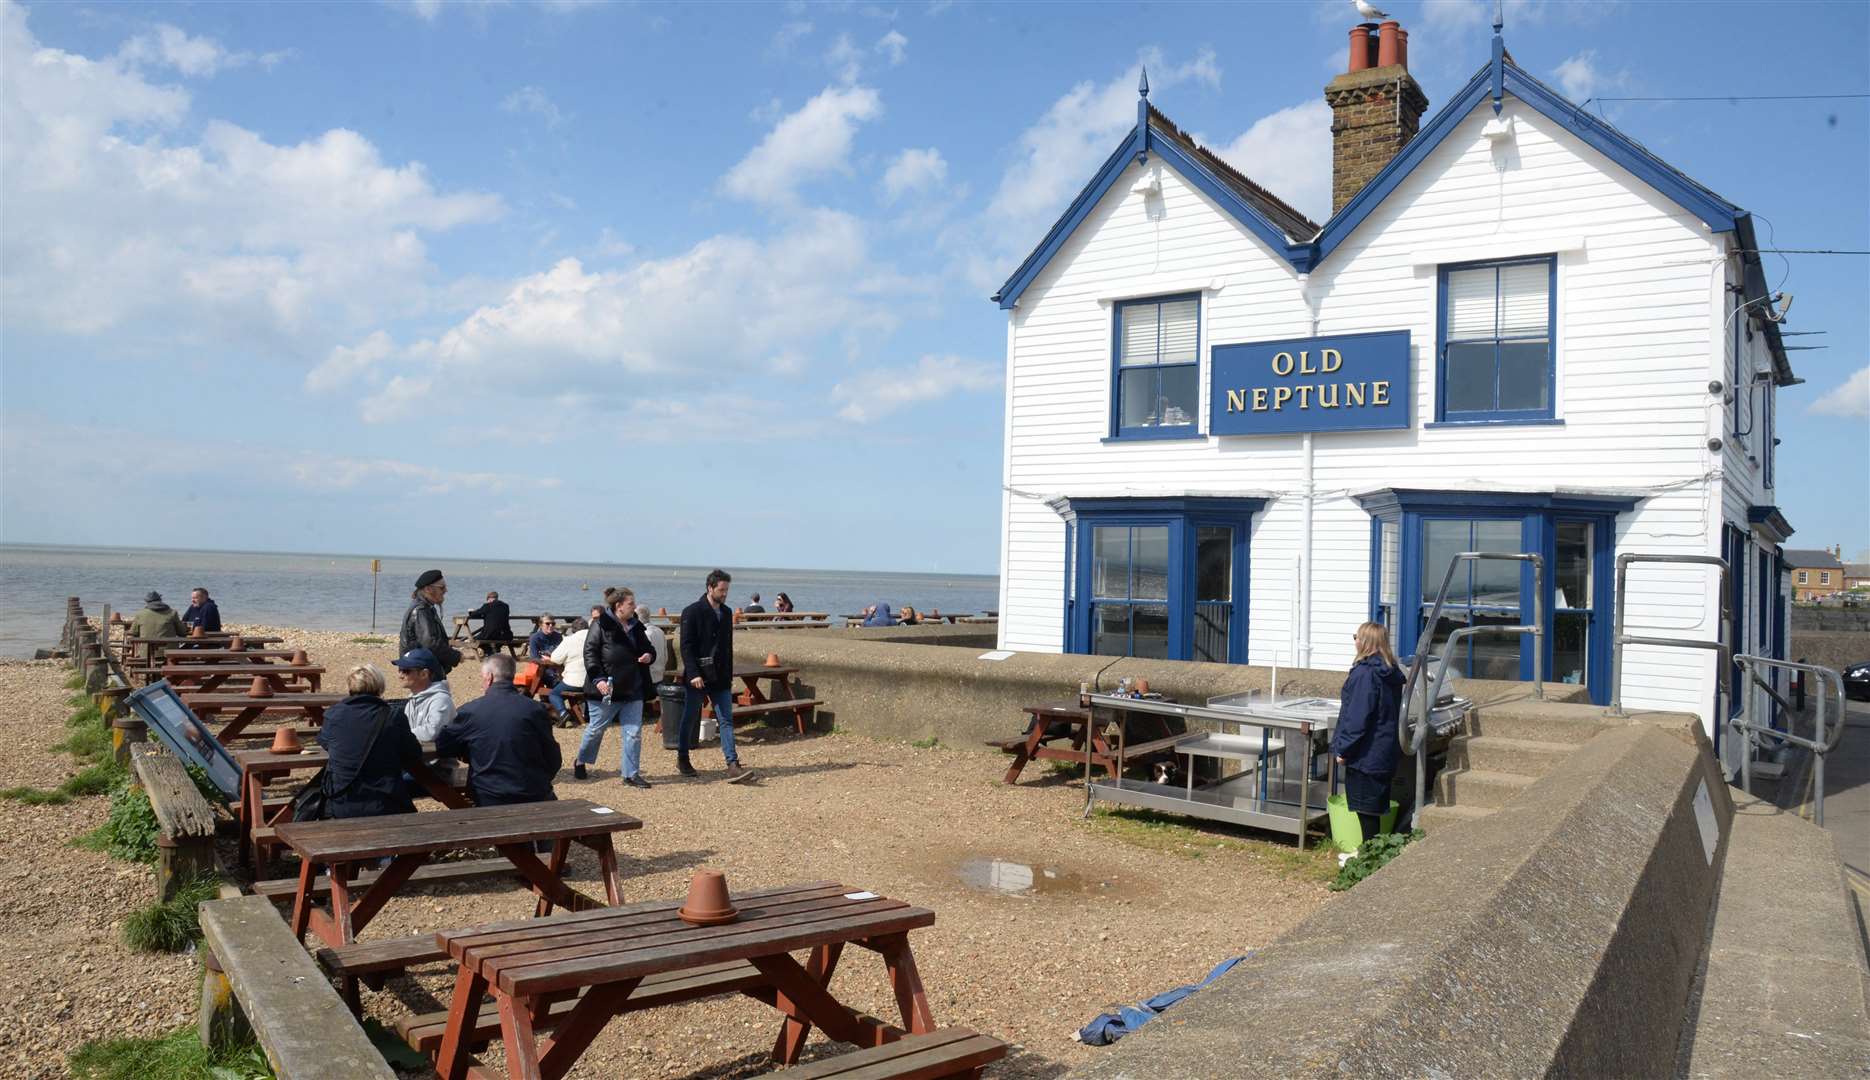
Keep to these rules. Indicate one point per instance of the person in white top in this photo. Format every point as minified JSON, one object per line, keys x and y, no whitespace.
{"x":430,"y":705}
{"x":660,"y":642}
{"x":569,"y":656}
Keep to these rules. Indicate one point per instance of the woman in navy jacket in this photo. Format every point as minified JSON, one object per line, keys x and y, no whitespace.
{"x":364,"y":777}
{"x":1365,"y":739}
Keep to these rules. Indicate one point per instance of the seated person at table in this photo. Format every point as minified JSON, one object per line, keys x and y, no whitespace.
{"x":370,"y":746}
{"x":782,"y":604}
{"x":569,"y":656}
{"x":540,"y":645}
{"x":431,"y":705}
{"x":909,"y":616}
{"x":879,"y":615}
{"x":506,"y":738}
{"x":754,"y":607}
{"x":156,"y":620}
{"x":202,"y":612}
{"x":496,"y":629}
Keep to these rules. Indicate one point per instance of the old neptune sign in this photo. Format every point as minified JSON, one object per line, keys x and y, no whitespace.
{"x":1347,"y":382}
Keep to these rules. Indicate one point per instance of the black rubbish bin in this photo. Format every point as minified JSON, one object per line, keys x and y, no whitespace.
{"x":674,"y":698}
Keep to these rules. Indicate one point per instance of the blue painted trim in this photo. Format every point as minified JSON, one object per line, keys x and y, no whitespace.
{"x":1775,"y":524}
{"x":1118,"y":432}
{"x":1239,"y":209}
{"x":1391,"y":500}
{"x":1074,"y":214}
{"x":1497,"y":416}
{"x":1498,"y":68}
{"x":1545,"y":421}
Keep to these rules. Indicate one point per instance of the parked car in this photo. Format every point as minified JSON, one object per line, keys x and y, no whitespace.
{"x":1857,"y":682}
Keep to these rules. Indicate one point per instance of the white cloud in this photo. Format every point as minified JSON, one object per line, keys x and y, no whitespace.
{"x":810,"y":142}
{"x":1581,"y":78}
{"x":914,"y":170}
{"x":427,"y":9}
{"x":845,"y":60}
{"x":1850,"y":398}
{"x":880,"y":391}
{"x":788,"y":35}
{"x":398,"y":398}
{"x":895,"y":45}
{"x":1289,"y":154}
{"x":169,"y":46}
{"x":612,"y":246}
{"x":346,"y":363}
{"x":224,"y":238}
{"x":333,"y":474}
{"x":532,"y":100}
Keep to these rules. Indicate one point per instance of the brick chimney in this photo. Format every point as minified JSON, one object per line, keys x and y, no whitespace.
{"x":1376,"y":108}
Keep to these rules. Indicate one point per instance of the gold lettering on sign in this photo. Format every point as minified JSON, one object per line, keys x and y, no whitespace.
{"x":1281,"y":394}
{"x":1259,"y":399}
{"x":1331,"y":360}
{"x":1328,"y":396}
{"x":1305,"y":393}
{"x":1236,"y":401}
{"x":1305,"y":363}
{"x":1287,"y":357}
{"x":1380,"y":392}
{"x":1353,"y":394}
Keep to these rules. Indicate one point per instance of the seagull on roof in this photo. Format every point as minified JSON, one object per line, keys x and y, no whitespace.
{"x":1369,"y":11}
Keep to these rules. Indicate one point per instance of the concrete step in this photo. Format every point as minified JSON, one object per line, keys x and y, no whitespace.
{"x":1441,"y":817}
{"x":1478,"y":787}
{"x":1497,"y":753}
{"x":1786,"y":988}
{"x":1539,"y":721}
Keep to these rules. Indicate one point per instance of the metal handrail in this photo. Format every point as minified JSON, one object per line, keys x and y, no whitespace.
{"x":1819,"y":746}
{"x":1418,"y":705}
{"x":1724,"y":632}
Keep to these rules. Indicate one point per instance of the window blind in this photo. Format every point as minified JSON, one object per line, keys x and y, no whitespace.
{"x":1499,"y":301}
{"x":1139,"y":334}
{"x":1471,"y":303}
{"x":1525,"y":300}
{"x":1180,"y":330}
{"x":1166,"y":333}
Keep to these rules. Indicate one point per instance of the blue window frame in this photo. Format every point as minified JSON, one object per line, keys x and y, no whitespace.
{"x":1497,"y":341}
{"x":1163,"y":578}
{"x":1155,"y":380}
{"x":1413,"y":535}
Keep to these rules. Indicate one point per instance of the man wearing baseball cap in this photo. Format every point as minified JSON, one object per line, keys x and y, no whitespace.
{"x":422,"y":623}
{"x":431,"y":705}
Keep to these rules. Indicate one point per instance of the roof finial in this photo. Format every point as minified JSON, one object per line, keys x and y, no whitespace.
{"x":1499,"y":15}
{"x":1499,"y":56}
{"x":1142,"y":117}
{"x":1142,"y":85}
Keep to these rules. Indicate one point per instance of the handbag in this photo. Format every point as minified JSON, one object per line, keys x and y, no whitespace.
{"x":312,"y":801}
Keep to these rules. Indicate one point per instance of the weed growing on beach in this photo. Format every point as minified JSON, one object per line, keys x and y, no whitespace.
{"x":94,"y":779}
{"x":929,"y":743}
{"x":1372,"y":855}
{"x":87,"y":744}
{"x":75,"y":681}
{"x":170,"y":925}
{"x":85,"y":715}
{"x":178,"y":1055}
{"x":1181,"y":836}
{"x":129,"y":833}
{"x":367,"y":640}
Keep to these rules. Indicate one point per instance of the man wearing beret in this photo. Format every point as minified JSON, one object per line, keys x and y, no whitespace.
{"x":156,"y":620}
{"x":422,"y":623}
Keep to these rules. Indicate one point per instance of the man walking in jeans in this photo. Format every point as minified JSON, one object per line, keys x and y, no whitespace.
{"x":707,"y":638}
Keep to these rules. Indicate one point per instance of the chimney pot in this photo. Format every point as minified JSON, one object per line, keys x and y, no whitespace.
{"x":1388,"y":50}
{"x":1402,"y":47}
{"x":1360,"y":47}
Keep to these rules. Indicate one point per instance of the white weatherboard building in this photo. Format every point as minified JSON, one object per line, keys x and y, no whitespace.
{"x":1234,"y":435}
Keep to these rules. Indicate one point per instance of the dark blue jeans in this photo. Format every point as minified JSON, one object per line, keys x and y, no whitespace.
{"x":723,"y":714}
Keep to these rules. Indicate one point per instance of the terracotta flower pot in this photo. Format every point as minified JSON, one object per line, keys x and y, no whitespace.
{"x":662,"y":612}
{"x":708,"y":904}
{"x":260,"y":687}
{"x":286,"y":741}
{"x":196,"y":632}
{"x":1142,"y":686}
{"x":299,"y":659}
{"x":772,"y":660}
{"x":236,"y":644}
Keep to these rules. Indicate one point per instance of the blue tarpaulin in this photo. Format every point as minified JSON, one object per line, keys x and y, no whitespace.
{"x":1110,"y":1027}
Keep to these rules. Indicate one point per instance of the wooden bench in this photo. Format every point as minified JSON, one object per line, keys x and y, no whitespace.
{"x":184,"y":820}
{"x":947,"y":1052}
{"x":298,"y":1019}
{"x":800,"y":708}
{"x":424,"y":1031}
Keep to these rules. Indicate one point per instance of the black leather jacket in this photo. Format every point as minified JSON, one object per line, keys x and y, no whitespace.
{"x":422,"y":628}
{"x":610,"y":652}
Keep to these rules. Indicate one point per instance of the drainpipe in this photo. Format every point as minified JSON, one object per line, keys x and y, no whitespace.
{"x":1308,"y":491}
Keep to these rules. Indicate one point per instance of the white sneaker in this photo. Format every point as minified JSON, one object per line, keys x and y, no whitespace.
{"x":1344,"y":857}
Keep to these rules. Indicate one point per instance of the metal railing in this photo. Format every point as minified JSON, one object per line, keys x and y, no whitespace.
{"x":1420,"y":700}
{"x":1820,"y":745}
{"x":1619,"y":639}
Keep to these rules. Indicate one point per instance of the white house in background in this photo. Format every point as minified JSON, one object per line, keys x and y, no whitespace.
{"x":1234,"y":435}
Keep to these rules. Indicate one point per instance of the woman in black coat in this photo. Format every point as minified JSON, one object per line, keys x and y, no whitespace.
{"x":364,"y":778}
{"x":618,"y":675}
{"x":1365,"y":739}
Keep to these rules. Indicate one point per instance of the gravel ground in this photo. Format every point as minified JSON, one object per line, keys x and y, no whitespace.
{"x":1120,"y":912}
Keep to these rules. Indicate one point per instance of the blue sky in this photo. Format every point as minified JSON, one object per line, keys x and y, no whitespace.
{"x":642,"y":283}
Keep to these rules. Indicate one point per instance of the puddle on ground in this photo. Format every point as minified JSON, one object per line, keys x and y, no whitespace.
{"x":1020,"y":879}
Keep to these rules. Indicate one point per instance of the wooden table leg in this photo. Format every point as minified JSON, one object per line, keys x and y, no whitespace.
{"x":818,"y":1006}
{"x":239,"y":723}
{"x":1026,"y":750}
{"x":607,"y":866}
{"x":793,"y":1031}
{"x":516,"y":1033}
{"x":581,"y":1027}
{"x":302,"y":900}
{"x":548,"y":885}
{"x":463,"y":1012}
{"x":252,"y":806}
{"x":906,"y":981}
{"x":556,"y":867}
{"x":380,"y":890}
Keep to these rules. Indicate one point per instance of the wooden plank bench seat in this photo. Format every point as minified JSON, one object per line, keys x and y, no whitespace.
{"x":283,"y":889}
{"x":947,"y":1052}
{"x":184,"y":820}
{"x":300,"y":1022}
{"x":800,"y":708}
{"x":424,"y":1031}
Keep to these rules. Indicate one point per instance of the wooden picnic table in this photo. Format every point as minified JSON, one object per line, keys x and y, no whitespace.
{"x":206,"y":678}
{"x":600,"y":958}
{"x":257,"y":820}
{"x":143,"y":647}
{"x":409,"y":840}
{"x":1079,"y":724}
{"x":782,"y":699}
{"x":208,"y":706}
{"x":219,"y":655}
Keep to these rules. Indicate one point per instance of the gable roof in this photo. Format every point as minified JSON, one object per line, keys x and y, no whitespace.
{"x":1807,"y":559}
{"x":1305,"y":245}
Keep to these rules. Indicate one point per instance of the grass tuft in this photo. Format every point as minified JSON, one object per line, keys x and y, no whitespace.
{"x":170,"y":925}
{"x":75,"y":681}
{"x":87,"y":744}
{"x":95,"y":779}
{"x":1194,"y":839}
{"x":929,"y":743}
{"x":129,"y":833}
{"x":86,"y":715}
{"x":178,"y":1055}
{"x":369,"y":640}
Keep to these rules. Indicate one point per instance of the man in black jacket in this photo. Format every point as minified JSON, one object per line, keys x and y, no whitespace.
{"x":496,"y":629}
{"x":422,"y":623}
{"x":707,"y":635}
{"x":506,"y":739}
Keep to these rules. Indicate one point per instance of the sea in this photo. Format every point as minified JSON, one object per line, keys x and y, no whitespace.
{"x":339,"y":592}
